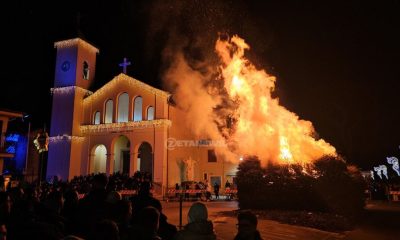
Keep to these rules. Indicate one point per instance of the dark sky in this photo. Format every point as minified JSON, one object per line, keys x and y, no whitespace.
{"x":337,"y":62}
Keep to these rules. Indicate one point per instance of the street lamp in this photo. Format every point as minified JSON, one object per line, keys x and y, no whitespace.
{"x":41,"y":143}
{"x":27,"y":143}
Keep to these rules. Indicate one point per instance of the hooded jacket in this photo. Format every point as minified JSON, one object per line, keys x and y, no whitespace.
{"x":198,"y":230}
{"x":199,"y":227}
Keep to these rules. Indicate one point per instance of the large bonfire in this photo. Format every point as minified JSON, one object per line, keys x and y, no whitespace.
{"x":262,"y":126}
{"x":237,"y":107}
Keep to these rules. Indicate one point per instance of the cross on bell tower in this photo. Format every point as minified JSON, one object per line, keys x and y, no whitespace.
{"x":124,"y":64}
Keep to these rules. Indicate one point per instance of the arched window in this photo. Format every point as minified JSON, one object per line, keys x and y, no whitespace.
{"x":85,"y":70}
{"x":108,"y":118}
{"x":96,"y":119}
{"x":123,"y":107}
{"x":137,"y":113}
{"x":150,"y":113}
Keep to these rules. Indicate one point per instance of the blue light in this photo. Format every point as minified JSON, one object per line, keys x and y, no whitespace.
{"x":12,"y":138}
{"x":20,"y":153}
{"x":10,"y":149}
{"x":16,"y":144}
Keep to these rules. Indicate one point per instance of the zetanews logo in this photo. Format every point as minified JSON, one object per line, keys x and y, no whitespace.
{"x":173,"y":143}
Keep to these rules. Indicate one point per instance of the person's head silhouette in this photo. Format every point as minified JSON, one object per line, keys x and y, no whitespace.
{"x":247,"y":226}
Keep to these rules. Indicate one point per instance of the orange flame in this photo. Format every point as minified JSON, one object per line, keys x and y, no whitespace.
{"x":264,"y":128}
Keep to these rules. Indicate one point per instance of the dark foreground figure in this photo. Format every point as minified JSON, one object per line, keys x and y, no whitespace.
{"x":247,"y":226}
{"x":198,"y":227}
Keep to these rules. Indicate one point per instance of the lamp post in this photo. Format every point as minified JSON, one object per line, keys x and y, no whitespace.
{"x":41,"y":143}
{"x":27,"y":145}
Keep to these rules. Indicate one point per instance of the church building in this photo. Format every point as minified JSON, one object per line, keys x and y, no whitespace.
{"x":124,"y":126}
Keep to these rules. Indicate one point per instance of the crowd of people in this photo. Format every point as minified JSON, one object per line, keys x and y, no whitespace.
{"x":54,"y":211}
{"x":206,"y":190}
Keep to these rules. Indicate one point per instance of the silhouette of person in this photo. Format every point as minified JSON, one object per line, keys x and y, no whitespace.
{"x":216,"y":190}
{"x":198,"y":227}
{"x":247,"y":226}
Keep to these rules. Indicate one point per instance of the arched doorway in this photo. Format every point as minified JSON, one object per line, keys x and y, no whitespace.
{"x":145,"y":158}
{"x":122,"y":154}
{"x":98,"y":164}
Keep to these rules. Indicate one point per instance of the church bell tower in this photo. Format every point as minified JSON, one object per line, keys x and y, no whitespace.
{"x":74,"y":74}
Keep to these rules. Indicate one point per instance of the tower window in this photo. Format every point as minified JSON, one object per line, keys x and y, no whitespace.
{"x":85,"y":70}
{"x":211,"y":156}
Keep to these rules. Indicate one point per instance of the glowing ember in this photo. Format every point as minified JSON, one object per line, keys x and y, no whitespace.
{"x":264,"y":128}
{"x":285,"y":151}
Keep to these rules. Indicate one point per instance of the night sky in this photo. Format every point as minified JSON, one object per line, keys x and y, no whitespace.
{"x":337,"y":64}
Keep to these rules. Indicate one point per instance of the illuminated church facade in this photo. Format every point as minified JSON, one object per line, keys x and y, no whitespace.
{"x":125,"y":126}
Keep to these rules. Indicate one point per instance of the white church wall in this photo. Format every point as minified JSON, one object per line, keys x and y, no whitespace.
{"x":66,"y":119}
{"x":160,"y":156}
{"x":98,"y":102}
{"x":75,"y":157}
{"x":181,"y":139}
{"x":59,"y":160}
{"x":85,"y":157}
{"x":65,"y":76}
{"x":62,"y":122}
{"x":162,"y":107}
{"x":181,"y":150}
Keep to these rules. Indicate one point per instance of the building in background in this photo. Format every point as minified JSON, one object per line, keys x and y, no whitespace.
{"x":8,"y":142}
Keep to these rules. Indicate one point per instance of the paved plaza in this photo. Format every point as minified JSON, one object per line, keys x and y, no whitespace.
{"x":382,"y":221}
{"x":225,"y":227}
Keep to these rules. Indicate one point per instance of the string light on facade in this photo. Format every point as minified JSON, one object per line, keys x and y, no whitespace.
{"x":73,"y":42}
{"x":68,"y":90}
{"x":121,"y":79}
{"x":395,"y":164}
{"x":125,"y":126}
{"x":65,"y":137}
{"x":381,"y":169}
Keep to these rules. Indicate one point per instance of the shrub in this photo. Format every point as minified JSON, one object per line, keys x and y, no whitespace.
{"x":333,"y":186}
{"x":341,"y":188}
{"x":250,"y":182}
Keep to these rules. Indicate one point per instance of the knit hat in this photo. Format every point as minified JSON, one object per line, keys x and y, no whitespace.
{"x":197,"y":212}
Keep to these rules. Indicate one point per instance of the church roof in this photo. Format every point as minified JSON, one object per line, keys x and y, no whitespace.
{"x":75,"y":41}
{"x":131,"y":82}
